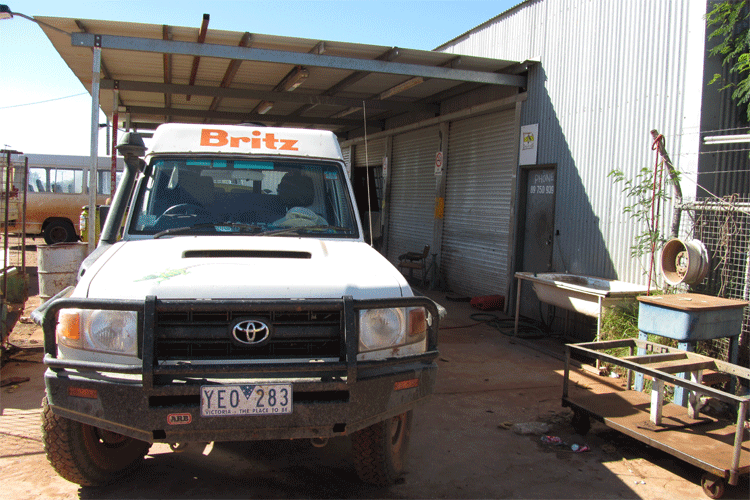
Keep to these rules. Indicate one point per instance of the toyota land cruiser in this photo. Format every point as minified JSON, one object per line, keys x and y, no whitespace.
{"x":231,"y":298}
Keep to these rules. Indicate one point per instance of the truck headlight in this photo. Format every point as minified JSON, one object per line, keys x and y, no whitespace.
{"x":391,"y":328}
{"x":99,"y":330}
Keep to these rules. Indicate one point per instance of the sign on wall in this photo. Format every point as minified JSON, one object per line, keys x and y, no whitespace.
{"x":529,"y":140}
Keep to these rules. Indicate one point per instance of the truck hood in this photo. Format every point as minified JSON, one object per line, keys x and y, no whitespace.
{"x":236,"y":267}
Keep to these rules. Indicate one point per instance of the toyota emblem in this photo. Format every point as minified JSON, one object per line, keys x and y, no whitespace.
{"x":250,"y":332}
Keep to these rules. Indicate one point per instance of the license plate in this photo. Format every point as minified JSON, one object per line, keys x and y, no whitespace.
{"x":239,"y":400}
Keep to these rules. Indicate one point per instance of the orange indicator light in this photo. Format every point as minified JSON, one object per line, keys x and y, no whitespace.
{"x":406,"y":384}
{"x":80,"y":392}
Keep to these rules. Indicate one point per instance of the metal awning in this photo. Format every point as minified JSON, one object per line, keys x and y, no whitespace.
{"x":161,"y":73}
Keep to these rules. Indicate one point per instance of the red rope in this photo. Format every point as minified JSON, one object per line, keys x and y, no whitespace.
{"x":655,"y":204}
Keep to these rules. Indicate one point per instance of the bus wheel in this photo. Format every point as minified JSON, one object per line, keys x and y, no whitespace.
{"x":59,"y":231}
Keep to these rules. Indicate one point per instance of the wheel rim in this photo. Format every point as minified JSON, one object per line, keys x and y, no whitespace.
{"x":107,"y":449}
{"x":109,"y":439}
{"x":58,"y":234}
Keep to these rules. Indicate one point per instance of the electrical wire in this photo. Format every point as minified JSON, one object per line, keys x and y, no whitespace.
{"x":367,"y":172}
{"x":43,"y":102}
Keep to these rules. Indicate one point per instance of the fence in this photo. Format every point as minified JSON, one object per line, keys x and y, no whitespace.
{"x":723,"y":225}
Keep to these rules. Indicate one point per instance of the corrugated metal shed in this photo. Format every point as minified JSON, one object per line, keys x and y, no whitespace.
{"x":609,"y":73}
{"x":179,"y":74}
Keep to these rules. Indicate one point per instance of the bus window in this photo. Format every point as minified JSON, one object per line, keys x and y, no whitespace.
{"x":67,"y":181}
{"x":103,"y":185}
{"x":38,"y":180}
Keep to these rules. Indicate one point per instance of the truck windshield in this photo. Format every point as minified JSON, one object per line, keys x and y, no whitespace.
{"x":240,"y":196}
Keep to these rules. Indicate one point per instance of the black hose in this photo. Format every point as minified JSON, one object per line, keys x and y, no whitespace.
{"x":526,"y":329}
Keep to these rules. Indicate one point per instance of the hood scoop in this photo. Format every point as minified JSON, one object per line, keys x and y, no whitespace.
{"x":246,"y":254}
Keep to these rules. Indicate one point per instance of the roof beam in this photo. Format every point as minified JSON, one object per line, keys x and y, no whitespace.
{"x":166,"y":34}
{"x":196,"y":60}
{"x":289,"y":83}
{"x":414,"y":81}
{"x":294,"y":58}
{"x":240,"y":117}
{"x":388,"y":55}
{"x":105,"y":70}
{"x":155,"y":87}
{"x":232,"y":68}
{"x":82,"y":27}
{"x":319,"y":49}
{"x":401,"y":87}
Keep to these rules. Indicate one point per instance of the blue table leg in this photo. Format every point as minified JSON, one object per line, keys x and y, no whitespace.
{"x":680,"y":393}
{"x":638,"y":384}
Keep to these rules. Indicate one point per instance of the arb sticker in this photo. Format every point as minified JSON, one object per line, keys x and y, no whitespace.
{"x":179,"y":418}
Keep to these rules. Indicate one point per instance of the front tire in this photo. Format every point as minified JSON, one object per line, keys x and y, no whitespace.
{"x":87,"y":455}
{"x":380,"y":450}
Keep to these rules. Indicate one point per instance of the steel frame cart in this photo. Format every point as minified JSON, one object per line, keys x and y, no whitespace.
{"x":719,"y":447}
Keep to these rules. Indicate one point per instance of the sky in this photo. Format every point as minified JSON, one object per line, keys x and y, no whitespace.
{"x":44,"y":109}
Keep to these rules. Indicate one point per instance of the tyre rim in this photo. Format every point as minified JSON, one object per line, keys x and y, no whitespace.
{"x":107,"y":439}
{"x":59,"y":235}
{"x":110,"y":439}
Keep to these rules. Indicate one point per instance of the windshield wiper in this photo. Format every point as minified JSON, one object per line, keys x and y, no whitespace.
{"x":298,"y":230}
{"x":240,"y":228}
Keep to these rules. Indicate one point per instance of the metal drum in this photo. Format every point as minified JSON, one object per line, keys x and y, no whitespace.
{"x":58,"y":267}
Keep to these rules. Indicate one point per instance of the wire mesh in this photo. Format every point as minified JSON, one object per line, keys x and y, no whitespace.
{"x":723,"y":225}
{"x":11,"y":212}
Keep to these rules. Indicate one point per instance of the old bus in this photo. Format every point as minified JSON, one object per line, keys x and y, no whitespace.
{"x":57,"y":191}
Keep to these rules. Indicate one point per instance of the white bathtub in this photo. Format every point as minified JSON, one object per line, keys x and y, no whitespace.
{"x":583,"y":294}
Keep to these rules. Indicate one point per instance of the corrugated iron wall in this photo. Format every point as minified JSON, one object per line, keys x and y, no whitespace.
{"x":608,"y":73}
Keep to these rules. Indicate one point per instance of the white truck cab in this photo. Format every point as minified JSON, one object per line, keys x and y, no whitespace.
{"x":237,"y":301}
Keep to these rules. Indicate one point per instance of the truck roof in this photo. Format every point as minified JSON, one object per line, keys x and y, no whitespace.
{"x":178,"y":138}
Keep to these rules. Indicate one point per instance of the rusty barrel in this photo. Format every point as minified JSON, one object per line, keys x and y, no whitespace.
{"x":57,"y":267}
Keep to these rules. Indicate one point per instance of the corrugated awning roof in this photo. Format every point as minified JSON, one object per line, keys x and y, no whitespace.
{"x":177,"y":74}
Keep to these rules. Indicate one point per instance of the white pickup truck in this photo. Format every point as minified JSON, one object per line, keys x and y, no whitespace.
{"x":232,"y":298}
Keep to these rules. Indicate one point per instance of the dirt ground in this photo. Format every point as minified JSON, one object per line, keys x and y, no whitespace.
{"x":463,"y":443}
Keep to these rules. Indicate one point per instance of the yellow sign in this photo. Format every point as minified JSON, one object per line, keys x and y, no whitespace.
{"x":439,"y":207}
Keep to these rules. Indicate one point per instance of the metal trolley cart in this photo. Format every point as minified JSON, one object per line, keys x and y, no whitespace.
{"x":719,"y":447}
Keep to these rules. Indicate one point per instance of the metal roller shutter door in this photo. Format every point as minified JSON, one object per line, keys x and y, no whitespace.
{"x":481,"y":162}
{"x":346,"y":153}
{"x":370,"y":156}
{"x":412,"y":198}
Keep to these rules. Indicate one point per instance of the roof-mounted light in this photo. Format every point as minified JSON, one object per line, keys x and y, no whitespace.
{"x":264,"y":107}
{"x":294,"y":79}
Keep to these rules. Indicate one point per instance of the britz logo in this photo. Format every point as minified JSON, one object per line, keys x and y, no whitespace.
{"x":179,"y":418}
{"x":218,"y":138}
